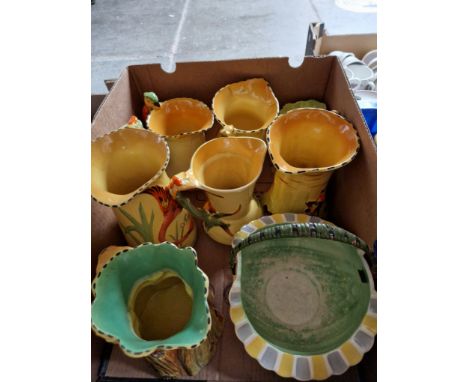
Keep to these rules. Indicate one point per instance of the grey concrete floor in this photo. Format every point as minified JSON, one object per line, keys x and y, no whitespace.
{"x":157,"y":31}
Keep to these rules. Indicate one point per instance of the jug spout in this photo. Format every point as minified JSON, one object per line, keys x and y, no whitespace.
{"x":128,"y":174}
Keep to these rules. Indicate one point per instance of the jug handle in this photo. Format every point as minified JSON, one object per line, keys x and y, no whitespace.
{"x":150,"y":102}
{"x":185,"y":181}
{"x":134,"y":123}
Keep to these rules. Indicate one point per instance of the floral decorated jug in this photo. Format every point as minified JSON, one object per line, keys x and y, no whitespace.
{"x":183,"y":122}
{"x":128,"y":174}
{"x":226,"y":169}
{"x":306,"y":145}
{"x":156,"y":303}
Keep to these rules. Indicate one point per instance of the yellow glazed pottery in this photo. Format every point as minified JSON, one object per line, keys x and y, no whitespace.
{"x":226,"y":169}
{"x":306,"y":145}
{"x":245,"y":108}
{"x":183,"y":122}
{"x":128,"y":174}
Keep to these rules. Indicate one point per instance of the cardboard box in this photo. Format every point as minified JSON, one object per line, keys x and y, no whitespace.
{"x":319,"y":43}
{"x":351,"y":194}
{"x":96,"y":101}
{"x":359,"y":44}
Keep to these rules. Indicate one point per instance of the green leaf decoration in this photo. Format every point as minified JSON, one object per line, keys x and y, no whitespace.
{"x":209,"y":220}
{"x":144,"y":228}
{"x":305,"y":103}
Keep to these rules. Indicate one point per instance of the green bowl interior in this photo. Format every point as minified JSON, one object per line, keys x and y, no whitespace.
{"x":304,"y":295}
{"x":110,"y":307}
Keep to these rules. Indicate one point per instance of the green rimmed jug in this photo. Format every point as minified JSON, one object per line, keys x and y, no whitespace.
{"x":152,"y":301}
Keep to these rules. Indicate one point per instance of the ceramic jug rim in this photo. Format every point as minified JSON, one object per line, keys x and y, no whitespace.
{"x":298,"y":170}
{"x":232,"y":126}
{"x":209,"y":126}
{"x":134,"y":193}
{"x":112,"y":339}
{"x":232,"y":190}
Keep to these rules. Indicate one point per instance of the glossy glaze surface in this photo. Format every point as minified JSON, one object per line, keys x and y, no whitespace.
{"x":245,"y":108}
{"x":160,"y":306}
{"x":118,"y":277}
{"x":183,"y":121}
{"x":124,"y":162}
{"x":311,"y":140}
{"x":227,"y":169}
{"x":179,"y":116}
{"x":128,"y":174}
{"x":306,"y":145}
{"x":303,"y":301}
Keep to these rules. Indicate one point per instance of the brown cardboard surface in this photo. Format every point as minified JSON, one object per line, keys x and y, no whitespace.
{"x":116,"y":108}
{"x":359,"y":44}
{"x":97,"y":345}
{"x":96,"y":101}
{"x":353,"y":189}
{"x":351,"y":195}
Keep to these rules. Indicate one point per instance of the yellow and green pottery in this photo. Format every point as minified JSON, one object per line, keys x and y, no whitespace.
{"x":128,"y":174}
{"x":264,"y":221}
{"x":303,"y":301}
{"x":150,"y":102}
{"x":152,"y":301}
{"x":301,"y":104}
{"x":226,"y":169}
{"x":306,"y":145}
{"x":245,"y":108}
{"x":183,"y":122}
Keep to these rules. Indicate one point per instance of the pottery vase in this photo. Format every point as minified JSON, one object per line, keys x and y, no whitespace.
{"x":128,"y":174}
{"x":155,"y":303}
{"x":183,"y":122}
{"x":226,"y":169}
{"x":245,"y":108}
{"x":306,"y":146}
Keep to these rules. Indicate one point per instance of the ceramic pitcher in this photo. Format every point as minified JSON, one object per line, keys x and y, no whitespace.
{"x":128,"y":174}
{"x":245,"y":108}
{"x":306,"y":146}
{"x":183,"y":122}
{"x":226,"y":169}
{"x":155,"y":303}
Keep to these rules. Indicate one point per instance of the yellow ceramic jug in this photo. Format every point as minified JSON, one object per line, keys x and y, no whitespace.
{"x":245,"y":108}
{"x":128,"y":174}
{"x":226,"y":169}
{"x":306,"y":145}
{"x":183,"y":122}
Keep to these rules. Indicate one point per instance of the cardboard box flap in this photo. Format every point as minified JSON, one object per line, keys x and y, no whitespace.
{"x":201,"y":80}
{"x":116,"y":108}
{"x":352,"y":192}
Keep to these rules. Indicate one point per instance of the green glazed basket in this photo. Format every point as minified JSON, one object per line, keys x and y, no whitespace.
{"x":303,"y":301}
